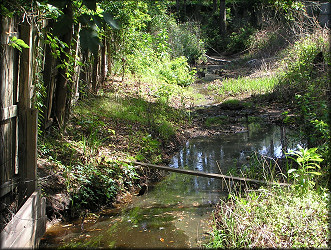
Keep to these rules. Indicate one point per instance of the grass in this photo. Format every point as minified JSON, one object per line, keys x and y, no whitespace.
{"x":272,"y":217}
{"x":244,"y":85}
{"x":155,"y":118}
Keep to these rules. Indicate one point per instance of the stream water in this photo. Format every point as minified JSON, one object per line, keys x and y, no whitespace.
{"x":177,"y":211}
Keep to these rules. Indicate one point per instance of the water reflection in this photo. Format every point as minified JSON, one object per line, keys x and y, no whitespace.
{"x":226,"y":151}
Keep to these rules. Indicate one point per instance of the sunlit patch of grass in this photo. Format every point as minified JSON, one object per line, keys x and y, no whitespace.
{"x":132,"y":110}
{"x":272,"y":217}
{"x":244,"y":85}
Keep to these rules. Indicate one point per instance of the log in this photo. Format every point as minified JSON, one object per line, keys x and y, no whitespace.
{"x":203,"y":174}
{"x":216,"y":59}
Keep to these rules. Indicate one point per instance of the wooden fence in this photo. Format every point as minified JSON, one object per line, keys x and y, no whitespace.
{"x":20,"y":73}
{"x":18,"y":124}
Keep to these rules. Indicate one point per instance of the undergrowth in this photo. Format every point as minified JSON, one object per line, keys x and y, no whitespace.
{"x":104,"y":131}
{"x":272,"y":217}
{"x":276,"y":216}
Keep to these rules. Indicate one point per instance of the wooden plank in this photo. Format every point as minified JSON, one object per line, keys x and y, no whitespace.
{"x":7,"y":157}
{"x":8,"y":113}
{"x":7,"y":99}
{"x":8,"y":186}
{"x":31,"y":150}
{"x":203,"y":174}
{"x":27,"y":226}
{"x":24,"y":105}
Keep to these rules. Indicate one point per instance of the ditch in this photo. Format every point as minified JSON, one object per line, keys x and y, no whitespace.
{"x":177,"y":211}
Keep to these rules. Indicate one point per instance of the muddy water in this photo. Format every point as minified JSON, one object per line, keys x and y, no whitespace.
{"x":176,"y":212}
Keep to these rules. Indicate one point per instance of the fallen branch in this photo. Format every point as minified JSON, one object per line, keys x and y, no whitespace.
{"x":216,"y":59}
{"x":203,"y":174}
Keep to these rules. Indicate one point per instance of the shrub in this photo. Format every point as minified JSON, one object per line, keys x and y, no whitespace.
{"x":177,"y":72}
{"x":185,"y":40}
{"x":239,"y":40}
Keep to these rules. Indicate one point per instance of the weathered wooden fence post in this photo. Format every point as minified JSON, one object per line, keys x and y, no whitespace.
{"x":26,"y":115}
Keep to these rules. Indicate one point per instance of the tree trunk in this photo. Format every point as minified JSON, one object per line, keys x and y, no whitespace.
{"x":109,"y":59}
{"x":83,"y":77}
{"x":49,"y":81}
{"x":62,"y":81}
{"x":214,"y":6}
{"x":95,"y":73}
{"x":222,"y":17}
{"x":71,"y":85}
{"x":103,"y":62}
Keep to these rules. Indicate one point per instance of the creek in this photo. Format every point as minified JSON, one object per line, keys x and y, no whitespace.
{"x":177,"y":211}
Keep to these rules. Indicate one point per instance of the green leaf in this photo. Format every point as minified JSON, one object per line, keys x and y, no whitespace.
{"x":58,"y":3}
{"x":18,"y":43}
{"x":291,"y":170}
{"x":89,"y":40}
{"x":315,"y":173}
{"x":109,"y":19}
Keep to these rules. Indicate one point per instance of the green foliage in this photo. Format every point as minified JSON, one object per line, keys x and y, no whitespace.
{"x":152,"y":46}
{"x":308,"y":161}
{"x":304,"y":67}
{"x":92,"y":25}
{"x":185,"y":40}
{"x":287,"y":119}
{"x":239,"y":41}
{"x":288,"y":8}
{"x":41,"y":92}
{"x":177,"y":72}
{"x":275,"y":216}
{"x":150,"y":150}
{"x":314,"y":115}
{"x":90,"y":181}
{"x":98,"y":184}
{"x":210,"y":32}
{"x":272,"y":218}
{"x":18,"y":43}
{"x":58,"y":48}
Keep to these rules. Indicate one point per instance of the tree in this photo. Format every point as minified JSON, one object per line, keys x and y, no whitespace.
{"x":222,"y":17}
{"x":63,"y":76}
{"x":214,"y":6}
{"x":92,"y":22}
